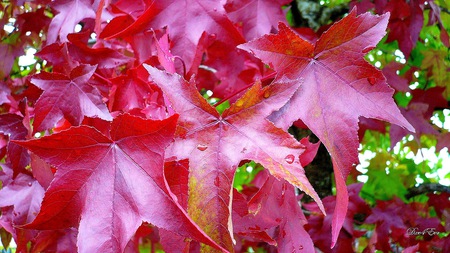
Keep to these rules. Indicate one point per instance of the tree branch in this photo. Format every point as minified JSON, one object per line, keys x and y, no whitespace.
{"x":444,"y":10}
{"x":426,"y":188}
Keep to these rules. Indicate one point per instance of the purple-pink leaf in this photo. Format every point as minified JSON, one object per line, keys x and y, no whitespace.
{"x":71,"y":97}
{"x":215,"y":144}
{"x":333,"y":85}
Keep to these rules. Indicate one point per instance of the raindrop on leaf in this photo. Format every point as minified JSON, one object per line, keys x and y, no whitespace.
{"x":289,"y":159}
{"x":202,"y":147}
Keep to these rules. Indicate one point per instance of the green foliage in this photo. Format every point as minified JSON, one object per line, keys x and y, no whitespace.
{"x":245,"y":174}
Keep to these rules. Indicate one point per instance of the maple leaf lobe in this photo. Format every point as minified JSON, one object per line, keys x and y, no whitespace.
{"x":108,"y":184}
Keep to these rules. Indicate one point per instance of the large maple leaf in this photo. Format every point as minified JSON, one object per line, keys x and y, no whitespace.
{"x":188,"y":21}
{"x":71,"y":97}
{"x":109,"y":184}
{"x":332,"y":87}
{"x":215,"y":144}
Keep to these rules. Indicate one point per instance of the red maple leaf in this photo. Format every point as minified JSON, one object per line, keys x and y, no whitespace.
{"x":20,"y":200}
{"x":188,"y":21}
{"x":71,"y":97}
{"x":33,"y":21}
{"x":177,"y":175}
{"x":105,"y":58}
{"x":435,"y":17}
{"x":4,"y":94}
{"x":275,"y":213}
{"x":443,"y":141}
{"x":8,"y":53}
{"x":406,"y":20}
{"x":332,"y":86}
{"x":12,"y":125}
{"x":128,"y":92}
{"x":397,"y":221}
{"x":396,"y":81}
{"x":61,"y":240}
{"x":106,"y":185}
{"x":215,"y":144}
{"x":257,"y":17}
{"x":66,"y":56}
{"x":405,"y":24}
{"x":58,"y":55}
{"x":434,"y":97}
{"x":70,"y":13}
{"x":319,"y":226}
{"x":416,"y":114}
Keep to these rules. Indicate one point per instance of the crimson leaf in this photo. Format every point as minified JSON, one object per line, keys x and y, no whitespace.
{"x":71,"y":97}
{"x":215,"y":144}
{"x":109,"y":184}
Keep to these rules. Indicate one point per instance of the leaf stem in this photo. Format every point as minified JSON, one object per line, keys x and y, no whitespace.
{"x":102,"y":78}
{"x":426,"y":188}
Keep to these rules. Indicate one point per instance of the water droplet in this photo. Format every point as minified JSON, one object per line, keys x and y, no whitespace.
{"x":202,"y":147}
{"x":266,"y":94}
{"x":371,"y":80}
{"x":239,"y":103}
{"x":215,"y":9}
{"x":300,"y":247}
{"x":289,"y":159}
{"x":30,"y":184}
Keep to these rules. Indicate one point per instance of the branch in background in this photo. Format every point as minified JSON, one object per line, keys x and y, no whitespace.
{"x":310,"y":13}
{"x":426,"y":188}
{"x":444,"y":10}
{"x":320,"y":170}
